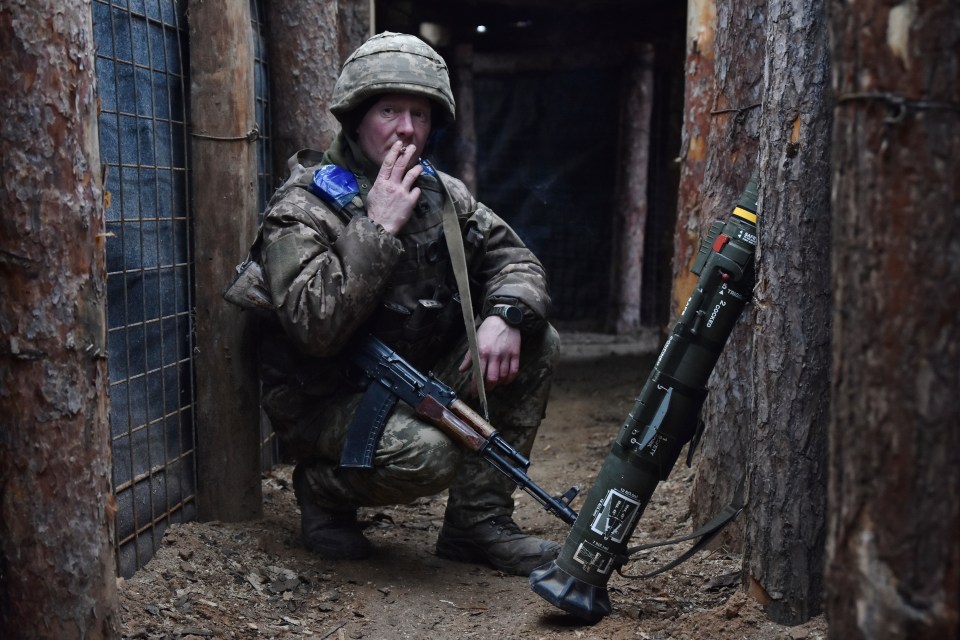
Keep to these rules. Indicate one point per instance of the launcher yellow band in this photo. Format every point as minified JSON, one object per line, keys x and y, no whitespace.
{"x":746,"y":215}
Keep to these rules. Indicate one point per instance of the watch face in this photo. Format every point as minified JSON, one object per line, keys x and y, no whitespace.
{"x":511,"y":315}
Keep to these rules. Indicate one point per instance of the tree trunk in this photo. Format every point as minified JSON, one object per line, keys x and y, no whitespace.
{"x":893,"y":559}
{"x":631,"y":216}
{"x":224,"y":179}
{"x":355,"y":25}
{"x":698,"y":101}
{"x":57,"y":568}
{"x":465,"y":127}
{"x":787,"y":462}
{"x":732,"y":143}
{"x":308,"y":42}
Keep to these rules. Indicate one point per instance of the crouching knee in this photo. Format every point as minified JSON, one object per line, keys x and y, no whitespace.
{"x":413,"y":467}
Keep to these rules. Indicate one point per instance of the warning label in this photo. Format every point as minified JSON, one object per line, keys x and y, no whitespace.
{"x":592,"y":559}
{"x":615,"y":518}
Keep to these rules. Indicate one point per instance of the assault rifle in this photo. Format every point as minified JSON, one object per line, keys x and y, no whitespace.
{"x":393,"y":378}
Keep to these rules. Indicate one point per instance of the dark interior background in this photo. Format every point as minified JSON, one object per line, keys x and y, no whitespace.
{"x":547,"y":81}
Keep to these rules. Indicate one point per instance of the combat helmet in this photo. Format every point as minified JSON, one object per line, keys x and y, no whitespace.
{"x":392,"y":62}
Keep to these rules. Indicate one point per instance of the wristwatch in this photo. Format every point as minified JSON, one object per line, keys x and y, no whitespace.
{"x":510,"y":314}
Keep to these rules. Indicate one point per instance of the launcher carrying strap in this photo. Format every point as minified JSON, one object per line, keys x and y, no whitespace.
{"x":706,"y":533}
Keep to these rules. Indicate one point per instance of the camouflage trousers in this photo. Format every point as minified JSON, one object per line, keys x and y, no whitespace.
{"x":416,"y":459}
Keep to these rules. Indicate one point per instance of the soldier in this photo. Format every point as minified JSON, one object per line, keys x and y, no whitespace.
{"x":361,"y":249}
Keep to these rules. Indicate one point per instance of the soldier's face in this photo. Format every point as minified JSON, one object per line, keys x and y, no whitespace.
{"x":395,"y":116}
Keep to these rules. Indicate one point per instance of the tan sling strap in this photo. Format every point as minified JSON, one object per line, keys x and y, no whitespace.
{"x":458,"y":258}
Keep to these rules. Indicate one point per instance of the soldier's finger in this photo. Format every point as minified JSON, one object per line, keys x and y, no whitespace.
{"x":390,"y":160}
{"x":491,"y":371}
{"x":513,"y":369}
{"x":465,"y":363}
{"x":411,"y":176}
{"x":506,"y":369}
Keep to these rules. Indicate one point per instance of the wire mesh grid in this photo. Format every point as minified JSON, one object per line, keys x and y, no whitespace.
{"x":269,"y":445}
{"x":142,"y":67}
{"x":140,"y":73}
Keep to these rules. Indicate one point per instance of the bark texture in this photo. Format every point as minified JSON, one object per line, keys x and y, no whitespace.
{"x":698,"y":102}
{"x":731,"y":147}
{"x":224,"y":179}
{"x":308,"y":43}
{"x":893,"y":558}
{"x":57,"y":568}
{"x":787,"y":461}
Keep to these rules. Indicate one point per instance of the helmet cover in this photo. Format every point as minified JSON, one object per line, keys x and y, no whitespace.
{"x":392,"y":63}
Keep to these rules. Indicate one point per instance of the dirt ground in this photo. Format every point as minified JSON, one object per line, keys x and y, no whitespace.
{"x":255,"y":580}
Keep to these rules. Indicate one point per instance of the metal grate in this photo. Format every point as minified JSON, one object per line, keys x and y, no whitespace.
{"x":141,"y":74}
{"x":269,"y":445}
{"x":141,"y":61}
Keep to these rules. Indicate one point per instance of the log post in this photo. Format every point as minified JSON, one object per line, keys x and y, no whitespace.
{"x":224,"y":181}
{"x":790,"y":365}
{"x":631,"y":217}
{"x":308,"y":43}
{"x":57,"y":566}
{"x":731,"y":155}
{"x":466,"y":131}
{"x":893,"y":561}
{"x":698,"y":101}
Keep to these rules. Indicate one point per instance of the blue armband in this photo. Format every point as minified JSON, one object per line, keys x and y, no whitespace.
{"x":428,"y":169}
{"x":334,"y":185}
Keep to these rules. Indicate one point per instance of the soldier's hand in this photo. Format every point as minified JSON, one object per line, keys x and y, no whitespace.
{"x":392,"y":197}
{"x":499,"y":347}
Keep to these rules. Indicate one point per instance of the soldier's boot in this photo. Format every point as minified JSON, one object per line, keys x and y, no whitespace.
{"x":329,"y":533}
{"x":498,"y":542}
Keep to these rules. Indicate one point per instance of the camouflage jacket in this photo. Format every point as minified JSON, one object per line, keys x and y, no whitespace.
{"x":336,"y":274}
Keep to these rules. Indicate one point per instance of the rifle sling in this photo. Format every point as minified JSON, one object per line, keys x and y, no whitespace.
{"x":458,"y":258}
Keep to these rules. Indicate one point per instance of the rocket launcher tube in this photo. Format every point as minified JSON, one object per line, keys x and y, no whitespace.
{"x":663,"y":420}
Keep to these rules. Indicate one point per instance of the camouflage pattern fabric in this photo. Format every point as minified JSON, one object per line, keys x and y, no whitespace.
{"x":416,"y":459}
{"x":392,"y":62}
{"x":333,"y":276}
